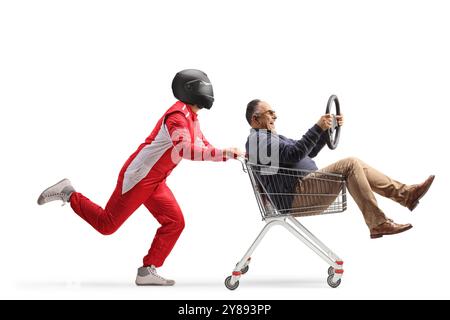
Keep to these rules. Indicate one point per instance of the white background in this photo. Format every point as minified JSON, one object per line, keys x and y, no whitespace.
{"x":82,"y":84}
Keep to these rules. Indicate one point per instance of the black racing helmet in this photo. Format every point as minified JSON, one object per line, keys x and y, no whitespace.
{"x":192,"y":86}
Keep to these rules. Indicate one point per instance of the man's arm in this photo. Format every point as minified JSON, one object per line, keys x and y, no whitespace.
{"x":177,"y":126}
{"x":323,"y":138}
{"x":319,"y":146}
{"x":292,"y":151}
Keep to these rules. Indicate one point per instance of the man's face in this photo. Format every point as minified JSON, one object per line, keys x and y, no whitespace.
{"x":265,"y":116}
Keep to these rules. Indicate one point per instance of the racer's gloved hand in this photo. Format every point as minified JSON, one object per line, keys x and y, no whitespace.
{"x":232,"y":153}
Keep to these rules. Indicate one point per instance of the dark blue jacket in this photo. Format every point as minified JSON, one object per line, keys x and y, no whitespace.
{"x":287,"y":153}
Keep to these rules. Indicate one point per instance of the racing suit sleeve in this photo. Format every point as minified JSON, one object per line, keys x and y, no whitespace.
{"x":178,"y":128}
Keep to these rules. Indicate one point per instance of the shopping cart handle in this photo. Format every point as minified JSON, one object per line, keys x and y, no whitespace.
{"x":243,"y":161}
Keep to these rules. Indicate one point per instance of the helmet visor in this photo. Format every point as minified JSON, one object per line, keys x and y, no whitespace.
{"x":201,"y":88}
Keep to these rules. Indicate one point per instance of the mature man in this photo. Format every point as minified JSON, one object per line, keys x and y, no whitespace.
{"x":142,"y":179}
{"x":362,"y":180}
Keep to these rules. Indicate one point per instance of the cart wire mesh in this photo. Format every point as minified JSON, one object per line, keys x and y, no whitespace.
{"x":294,"y":192}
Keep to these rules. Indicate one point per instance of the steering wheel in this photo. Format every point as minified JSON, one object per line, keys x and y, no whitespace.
{"x":333,"y":133}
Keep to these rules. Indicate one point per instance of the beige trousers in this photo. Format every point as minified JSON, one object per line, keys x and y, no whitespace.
{"x":362,"y":181}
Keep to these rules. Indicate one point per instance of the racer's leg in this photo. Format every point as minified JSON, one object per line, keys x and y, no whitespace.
{"x":164,"y":207}
{"x":118,"y":209}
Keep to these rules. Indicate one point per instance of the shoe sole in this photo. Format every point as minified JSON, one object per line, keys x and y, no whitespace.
{"x":376,"y":236}
{"x":414,"y":205}
{"x":154,"y":284}
{"x":42,"y":198}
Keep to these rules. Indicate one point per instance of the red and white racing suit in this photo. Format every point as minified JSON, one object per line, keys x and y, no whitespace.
{"x":142,"y":180}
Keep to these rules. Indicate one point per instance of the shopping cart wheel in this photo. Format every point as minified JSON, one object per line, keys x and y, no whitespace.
{"x":333,"y":133}
{"x":228,"y":283}
{"x":245,"y":269}
{"x":330,"y":271}
{"x":331,"y":283}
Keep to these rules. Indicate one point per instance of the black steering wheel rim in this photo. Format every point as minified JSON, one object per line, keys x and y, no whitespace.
{"x":332,"y":134}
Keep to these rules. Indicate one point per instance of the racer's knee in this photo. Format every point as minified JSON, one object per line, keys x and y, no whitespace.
{"x":107,"y":226}
{"x":178,"y":224}
{"x":174,"y":223}
{"x":107,"y":230}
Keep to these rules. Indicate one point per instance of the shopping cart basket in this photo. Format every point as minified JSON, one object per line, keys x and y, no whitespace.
{"x":283,"y":195}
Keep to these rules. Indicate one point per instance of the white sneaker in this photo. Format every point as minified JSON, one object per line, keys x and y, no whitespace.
{"x":59,"y":191}
{"x":147,"y":276}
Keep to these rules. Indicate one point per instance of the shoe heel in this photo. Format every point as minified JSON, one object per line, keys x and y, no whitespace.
{"x":375,"y":236}
{"x":413,"y":206}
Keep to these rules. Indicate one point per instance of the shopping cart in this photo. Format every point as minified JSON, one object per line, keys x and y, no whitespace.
{"x":283,"y":195}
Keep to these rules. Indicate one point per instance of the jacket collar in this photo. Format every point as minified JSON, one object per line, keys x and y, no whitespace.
{"x":262,"y":130}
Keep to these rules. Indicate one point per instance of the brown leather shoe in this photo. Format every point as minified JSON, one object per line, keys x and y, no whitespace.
{"x":417,"y":192}
{"x":387,"y":228}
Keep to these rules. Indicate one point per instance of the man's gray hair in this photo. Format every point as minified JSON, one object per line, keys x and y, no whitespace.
{"x":251,"y":109}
